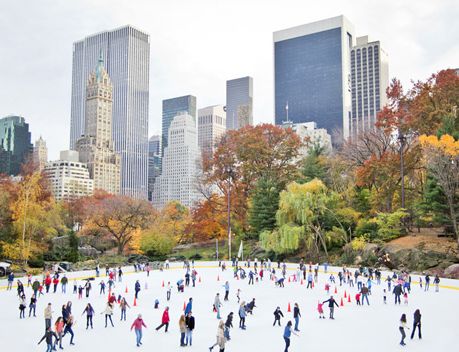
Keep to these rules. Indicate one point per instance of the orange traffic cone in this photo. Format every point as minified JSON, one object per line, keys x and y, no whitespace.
{"x":349,"y":298}
{"x":342,"y":303}
{"x":126,"y":291}
{"x":289,"y":309}
{"x":162,"y":284}
{"x":345,"y":294}
{"x":135,"y":302}
{"x":336,"y":290}
{"x":184,"y":305}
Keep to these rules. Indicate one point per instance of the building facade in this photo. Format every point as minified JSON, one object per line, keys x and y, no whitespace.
{"x":96,"y":147}
{"x":69,"y":178}
{"x":211,"y":127}
{"x":127,"y":60}
{"x":173,"y":107}
{"x":312,"y":75}
{"x":239,"y":103}
{"x":312,"y":136}
{"x":369,"y":81}
{"x":154,"y":162}
{"x":180,"y":165}
{"x":15,"y":144}
{"x":40,"y":153}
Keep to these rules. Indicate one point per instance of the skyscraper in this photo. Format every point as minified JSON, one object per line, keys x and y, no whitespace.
{"x":369,"y":81}
{"x":95,"y":147}
{"x":127,"y":60}
{"x":15,"y":145}
{"x":239,"y":103}
{"x":154,"y":162}
{"x":40,"y":153}
{"x":173,"y":107}
{"x":312,"y":74}
{"x":211,"y":126}
{"x":180,"y":165}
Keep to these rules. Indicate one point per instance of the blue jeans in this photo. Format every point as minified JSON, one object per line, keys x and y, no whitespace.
{"x":182,"y":339}
{"x":49,"y":347}
{"x":287,"y":343}
{"x":297,"y":321}
{"x":365,"y":297}
{"x":138,"y":334}
{"x":189,"y":337}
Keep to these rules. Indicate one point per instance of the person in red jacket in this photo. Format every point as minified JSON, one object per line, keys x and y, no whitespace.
{"x":357,"y":298}
{"x":112,"y":299}
{"x":165,"y":319}
{"x":137,"y":324}
{"x":47,"y":283}
{"x":55,"y":283}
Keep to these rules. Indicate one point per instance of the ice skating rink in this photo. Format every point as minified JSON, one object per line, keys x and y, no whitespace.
{"x":355,"y":328}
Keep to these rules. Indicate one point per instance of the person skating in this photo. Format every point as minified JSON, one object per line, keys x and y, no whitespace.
{"x":10,"y":282}
{"x":59,"y":328}
{"x":164,"y":320}
{"x":48,"y":313}
{"x":402,"y":327}
{"x":189,"y":306}
{"x":123,"y":306}
{"x":416,"y":323}
{"x":55,"y":283}
{"x":217,"y":305}
{"x":68,"y":328}
{"x":32,"y":305}
{"x":251,"y":306}
{"x":228,"y":325}
{"x":22,"y":306}
{"x":331,"y":305}
{"x":220,"y":337}
{"x":227,"y":287}
{"x":108,"y":313}
{"x":437,"y":283}
{"x":102,"y":287}
{"x":182,"y":327}
{"x":296,"y":315}
{"x":89,"y":310}
{"x":397,"y":291}
{"x":48,"y":336}
{"x":320,"y":310}
{"x":189,"y":322}
{"x":427,"y":285}
{"x":137,"y":289}
{"x":137,"y":326}
{"x":365,"y":291}
{"x":242,"y":315}
{"x":168,"y":292}
{"x":277,"y":315}
{"x":287,"y":333}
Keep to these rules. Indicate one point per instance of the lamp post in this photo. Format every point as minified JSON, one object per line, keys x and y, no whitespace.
{"x":402,"y":139}
{"x":229,"y":172}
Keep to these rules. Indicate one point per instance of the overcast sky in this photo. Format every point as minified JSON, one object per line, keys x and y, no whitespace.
{"x":196,"y":45}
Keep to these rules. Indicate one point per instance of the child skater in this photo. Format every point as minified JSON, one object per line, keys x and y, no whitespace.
{"x":405,"y":297}
{"x":320,"y":309}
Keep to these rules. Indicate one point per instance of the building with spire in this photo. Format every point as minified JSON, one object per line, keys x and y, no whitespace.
{"x":96,"y":147}
{"x":40,"y":153}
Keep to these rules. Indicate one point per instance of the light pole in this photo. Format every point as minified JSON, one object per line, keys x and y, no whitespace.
{"x":402,"y":140}
{"x":229,"y":172}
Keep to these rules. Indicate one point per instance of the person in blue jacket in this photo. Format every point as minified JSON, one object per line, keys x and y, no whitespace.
{"x":189,"y":307}
{"x":137,"y":289}
{"x":287,"y":333}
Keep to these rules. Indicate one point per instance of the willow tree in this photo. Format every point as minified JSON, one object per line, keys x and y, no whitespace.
{"x":307,"y":214}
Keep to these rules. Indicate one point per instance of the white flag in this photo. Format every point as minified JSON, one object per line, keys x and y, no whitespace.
{"x":239,"y":254}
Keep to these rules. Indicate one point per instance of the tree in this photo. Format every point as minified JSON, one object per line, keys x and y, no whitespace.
{"x":442,"y":156}
{"x":313,"y":165}
{"x":208,"y":219}
{"x":119,"y":217}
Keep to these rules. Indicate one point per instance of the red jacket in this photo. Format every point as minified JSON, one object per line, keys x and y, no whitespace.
{"x":165,"y":318}
{"x":137,"y":324}
{"x":55,"y":281}
{"x":47,"y":281}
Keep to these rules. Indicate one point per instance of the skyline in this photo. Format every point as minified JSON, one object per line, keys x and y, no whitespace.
{"x":189,"y":58}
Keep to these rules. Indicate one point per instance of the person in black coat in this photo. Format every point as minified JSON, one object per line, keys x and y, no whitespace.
{"x":416,"y":323}
{"x":397,"y":291}
{"x":277,"y":315}
{"x":331,"y":305}
{"x":48,"y":336}
{"x":228,"y":325}
{"x":189,"y":322}
{"x":137,"y":289}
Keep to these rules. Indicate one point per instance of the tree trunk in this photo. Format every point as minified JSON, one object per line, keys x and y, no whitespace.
{"x":453,"y":217}
{"x":120,"y":247}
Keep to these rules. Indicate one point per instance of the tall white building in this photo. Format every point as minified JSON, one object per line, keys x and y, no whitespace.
{"x":211,"y":126}
{"x":308,"y":132}
{"x":179,"y":165}
{"x":369,"y":81}
{"x":96,"y":145}
{"x":40,"y":153}
{"x":127,"y":59}
{"x":68,"y":178}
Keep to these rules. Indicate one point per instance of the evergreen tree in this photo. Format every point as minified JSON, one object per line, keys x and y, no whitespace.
{"x":313,"y":165}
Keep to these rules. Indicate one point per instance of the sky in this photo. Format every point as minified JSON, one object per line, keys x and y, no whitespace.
{"x":196,"y":45}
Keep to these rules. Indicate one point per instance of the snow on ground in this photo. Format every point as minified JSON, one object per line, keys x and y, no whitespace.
{"x":366,"y":328}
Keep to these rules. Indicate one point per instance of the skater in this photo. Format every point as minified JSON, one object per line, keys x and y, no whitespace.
{"x":384,"y":296}
{"x":55,"y":283}
{"x":64,"y":282}
{"x":48,"y":336}
{"x":89,"y":310}
{"x":120,"y":274}
{"x":189,"y":306}
{"x":164,"y":320}
{"x":416,"y":324}
{"x":22,"y":306}
{"x":228,"y":326}
{"x":251,"y":276}
{"x":182,"y":327}
{"x":309,"y":281}
{"x":250,"y":306}
{"x":397,"y":292}
{"x":277,"y":315}
{"x":242,"y":315}
{"x":123,"y":306}
{"x":68,"y":328}
{"x":217,"y":305}
{"x":59,"y":328}
{"x":364,"y":291}
{"x":296,"y":316}
{"x":32,"y":305}
{"x":402,"y":328}
{"x":238,"y":295}
{"x":48,"y":316}
{"x":220,"y":337}
{"x":102,"y":287}
{"x":227,"y":287}
{"x":10,"y":282}
{"x":427,"y":280}
{"x":189,"y":322}
{"x":87,"y":287}
{"x":331,"y":305}
{"x":320,"y":309}
{"x":108,"y":313}
{"x":437,"y":283}
{"x":168,"y":292}
{"x":137,"y":289}
{"x":357,"y":298}
{"x":137,"y":326}
{"x":287,"y":333}
{"x":405,"y":298}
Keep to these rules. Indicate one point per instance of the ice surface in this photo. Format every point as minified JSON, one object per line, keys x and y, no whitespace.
{"x":367,"y":328}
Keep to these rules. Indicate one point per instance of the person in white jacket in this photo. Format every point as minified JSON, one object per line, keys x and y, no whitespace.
{"x":108,"y":313}
{"x":221,"y":340}
{"x":402,"y":328}
{"x":217,"y":305}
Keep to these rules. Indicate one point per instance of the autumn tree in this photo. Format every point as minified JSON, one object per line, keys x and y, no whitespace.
{"x":208,"y":219}
{"x":119,"y":218}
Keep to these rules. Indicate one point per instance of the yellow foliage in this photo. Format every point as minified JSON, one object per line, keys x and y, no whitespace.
{"x":445,"y":144}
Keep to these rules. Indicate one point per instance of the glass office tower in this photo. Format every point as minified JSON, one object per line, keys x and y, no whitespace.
{"x":15,"y":144}
{"x":239,"y":103}
{"x":312,"y":75}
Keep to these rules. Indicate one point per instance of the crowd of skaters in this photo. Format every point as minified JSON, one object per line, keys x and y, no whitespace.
{"x":363,"y":278}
